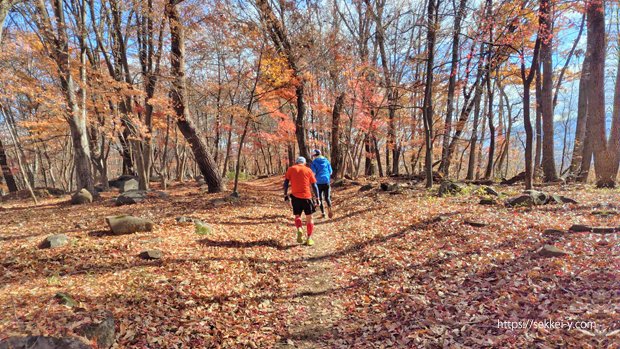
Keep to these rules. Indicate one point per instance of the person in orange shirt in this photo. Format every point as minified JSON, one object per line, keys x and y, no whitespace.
{"x":302,"y":182}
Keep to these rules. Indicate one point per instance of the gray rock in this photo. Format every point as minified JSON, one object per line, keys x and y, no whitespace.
{"x":117,"y":183}
{"x":54,"y":241}
{"x":125,"y":224}
{"x":42,"y":342}
{"x":183,"y":219}
{"x":603,"y":230}
{"x":490,"y":191}
{"x":579,"y":228}
{"x":487,"y":201}
{"x":151,"y":254}
{"x":521,"y":200}
{"x":65,"y":299}
{"x":475,"y":223}
{"x":538,"y":197}
{"x":550,"y":251}
{"x":562,"y":199}
{"x":389,"y":186}
{"x":131,"y":197}
{"x":103,"y":332}
{"x":449,"y":188}
{"x":366,"y":187}
{"x":82,"y":197}
{"x":128,"y":185}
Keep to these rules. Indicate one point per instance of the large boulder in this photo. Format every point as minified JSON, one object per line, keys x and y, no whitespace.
{"x":128,"y":185}
{"x":118,"y":183}
{"x":54,"y":241}
{"x":42,"y":342}
{"x":82,"y":197}
{"x":390,"y":186}
{"x":521,"y":200}
{"x":131,"y":197}
{"x":103,"y":332}
{"x":449,"y":188}
{"x":125,"y":224}
{"x":538,"y":197}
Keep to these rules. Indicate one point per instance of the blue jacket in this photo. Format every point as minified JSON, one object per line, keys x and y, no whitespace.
{"x":322,"y":169}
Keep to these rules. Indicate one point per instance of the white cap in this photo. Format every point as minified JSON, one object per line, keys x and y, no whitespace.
{"x":300,"y":160}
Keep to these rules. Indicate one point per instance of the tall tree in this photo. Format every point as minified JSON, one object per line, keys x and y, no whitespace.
{"x":454,"y":64}
{"x":178,"y":94}
{"x":57,"y":45}
{"x":427,"y":110}
{"x":526,"y":79}
{"x":546,"y":50}
{"x":606,"y":151}
{"x":281,"y":40}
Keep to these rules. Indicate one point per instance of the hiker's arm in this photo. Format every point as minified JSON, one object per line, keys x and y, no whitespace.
{"x":315,"y":187}
{"x":286,"y":190}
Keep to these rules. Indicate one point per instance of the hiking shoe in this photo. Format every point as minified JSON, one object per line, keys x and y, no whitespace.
{"x":322,"y":215}
{"x":300,"y":238}
{"x":309,"y":242}
{"x":330,"y":213}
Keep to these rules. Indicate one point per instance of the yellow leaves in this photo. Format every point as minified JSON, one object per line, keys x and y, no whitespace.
{"x":275,"y":72}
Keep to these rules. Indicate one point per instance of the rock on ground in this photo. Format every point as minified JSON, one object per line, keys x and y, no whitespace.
{"x":54,"y":241}
{"x":128,"y":185}
{"x":151,"y":254}
{"x":521,"y":200}
{"x":549,"y":251}
{"x":490,"y":191}
{"x":131,"y":197}
{"x":117,"y":183}
{"x":366,"y":187}
{"x":82,"y":197}
{"x":449,"y":188}
{"x":125,"y":224}
{"x":103,"y":332}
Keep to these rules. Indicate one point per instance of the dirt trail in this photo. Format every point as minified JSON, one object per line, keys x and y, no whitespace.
{"x":314,"y":311}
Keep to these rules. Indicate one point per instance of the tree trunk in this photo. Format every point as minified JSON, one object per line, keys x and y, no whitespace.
{"x":489,"y":170}
{"x":582,"y":117}
{"x":606,"y":153}
{"x":336,"y":154}
{"x":456,"y":34}
{"x":6,"y":170}
{"x":5,"y":7}
{"x":76,"y":119}
{"x":526,"y":78}
{"x":546,"y":48}
{"x":473,"y":140}
{"x":538,"y":124}
{"x":277,"y":33}
{"x":428,"y":92}
{"x":179,"y":95}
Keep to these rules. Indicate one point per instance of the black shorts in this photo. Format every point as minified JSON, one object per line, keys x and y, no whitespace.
{"x":302,"y":205}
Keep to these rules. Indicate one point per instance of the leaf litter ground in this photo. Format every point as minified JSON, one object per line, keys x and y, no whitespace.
{"x":399,"y":271}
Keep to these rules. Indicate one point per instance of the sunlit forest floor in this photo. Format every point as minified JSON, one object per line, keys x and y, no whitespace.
{"x":397,"y":269}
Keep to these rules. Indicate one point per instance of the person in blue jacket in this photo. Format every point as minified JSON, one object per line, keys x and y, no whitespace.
{"x":322,"y":171}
